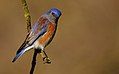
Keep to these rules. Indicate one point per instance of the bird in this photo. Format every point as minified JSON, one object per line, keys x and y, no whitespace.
{"x":41,"y":33}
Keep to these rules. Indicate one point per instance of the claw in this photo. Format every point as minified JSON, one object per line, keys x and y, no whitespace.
{"x":45,"y":57}
{"x":46,"y":60}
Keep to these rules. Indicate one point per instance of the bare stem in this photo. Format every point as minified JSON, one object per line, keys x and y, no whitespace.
{"x":27,"y":15}
{"x":28,"y":22}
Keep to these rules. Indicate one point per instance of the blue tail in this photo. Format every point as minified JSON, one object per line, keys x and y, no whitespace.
{"x":21,"y":52}
{"x":18,"y":55}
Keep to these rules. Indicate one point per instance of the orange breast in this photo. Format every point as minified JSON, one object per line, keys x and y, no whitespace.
{"x":48,"y":34}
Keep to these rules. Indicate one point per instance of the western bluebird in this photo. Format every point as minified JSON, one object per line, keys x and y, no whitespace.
{"x":42,"y":32}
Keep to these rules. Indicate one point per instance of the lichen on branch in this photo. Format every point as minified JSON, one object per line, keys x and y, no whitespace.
{"x":27,"y":15}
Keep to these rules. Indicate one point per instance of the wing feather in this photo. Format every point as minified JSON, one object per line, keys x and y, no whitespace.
{"x":37,"y":30}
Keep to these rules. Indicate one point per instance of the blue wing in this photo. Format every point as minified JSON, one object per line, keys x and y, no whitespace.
{"x":36,"y":31}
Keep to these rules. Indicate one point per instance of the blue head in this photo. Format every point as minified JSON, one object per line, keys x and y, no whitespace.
{"x":54,"y":12}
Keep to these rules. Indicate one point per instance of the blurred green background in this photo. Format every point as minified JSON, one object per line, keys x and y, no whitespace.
{"x":86,"y":42}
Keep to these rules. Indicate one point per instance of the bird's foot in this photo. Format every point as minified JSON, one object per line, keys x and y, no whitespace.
{"x":46,"y":60}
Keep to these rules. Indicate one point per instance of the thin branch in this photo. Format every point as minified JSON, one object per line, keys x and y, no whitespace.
{"x":27,"y":15}
{"x":33,"y":61}
{"x":28,"y":22}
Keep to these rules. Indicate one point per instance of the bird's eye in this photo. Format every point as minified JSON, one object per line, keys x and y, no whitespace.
{"x":53,"y":14}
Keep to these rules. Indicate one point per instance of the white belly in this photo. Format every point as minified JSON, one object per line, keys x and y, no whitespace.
{"x":37,"y":45}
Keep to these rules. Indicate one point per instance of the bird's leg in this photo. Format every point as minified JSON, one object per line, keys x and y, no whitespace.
{"x":45,"y":57}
